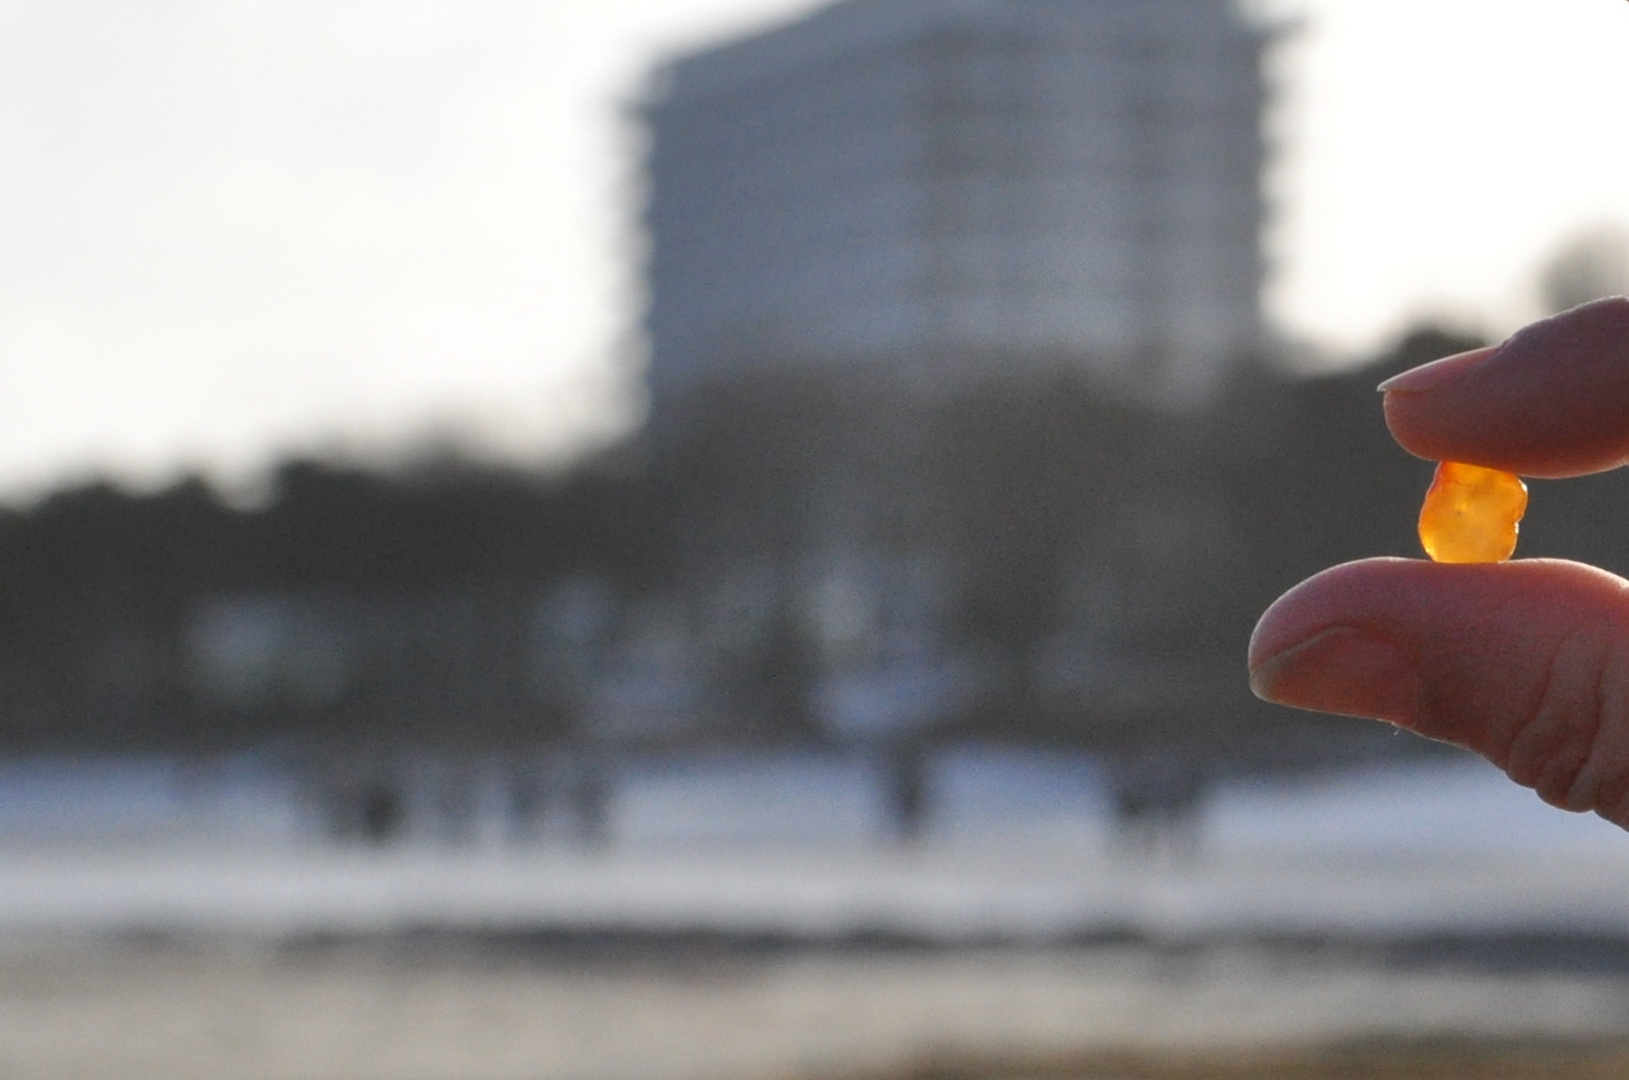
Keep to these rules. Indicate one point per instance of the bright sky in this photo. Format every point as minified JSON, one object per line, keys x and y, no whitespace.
{"x":238,"y":229}
{"x":1436,"y":153}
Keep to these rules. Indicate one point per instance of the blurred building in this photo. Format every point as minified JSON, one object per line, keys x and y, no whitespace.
{"x":957,"y":184}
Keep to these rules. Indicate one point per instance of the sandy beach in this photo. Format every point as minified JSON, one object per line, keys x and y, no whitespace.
{"x":474,"y":1009}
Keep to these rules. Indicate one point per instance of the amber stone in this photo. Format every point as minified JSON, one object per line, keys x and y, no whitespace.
{"x":1471,"y":514}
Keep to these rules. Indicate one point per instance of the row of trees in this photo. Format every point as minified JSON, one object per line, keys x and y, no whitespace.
{"x":1019,"y":559}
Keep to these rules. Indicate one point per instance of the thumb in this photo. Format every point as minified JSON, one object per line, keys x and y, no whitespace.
{"x":1526,"y":663}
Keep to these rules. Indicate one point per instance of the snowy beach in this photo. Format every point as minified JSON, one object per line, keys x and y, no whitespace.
{"x":744,"y":922}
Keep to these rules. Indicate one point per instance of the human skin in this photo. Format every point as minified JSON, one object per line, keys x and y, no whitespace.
{"x":1525,"y":662}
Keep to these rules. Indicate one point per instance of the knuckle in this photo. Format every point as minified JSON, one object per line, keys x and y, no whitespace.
{"x":1573,"y":748}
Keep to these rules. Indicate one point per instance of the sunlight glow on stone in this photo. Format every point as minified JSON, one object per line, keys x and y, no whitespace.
{"x":1471,"y":514}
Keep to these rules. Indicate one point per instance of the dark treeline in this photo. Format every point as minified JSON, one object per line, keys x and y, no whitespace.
{"x":107,"y":595}
{"x":815,"y":556}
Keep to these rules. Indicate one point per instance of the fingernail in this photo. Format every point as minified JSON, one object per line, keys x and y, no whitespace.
{"x":1428,"y":377}
{"x":1343,"y":670}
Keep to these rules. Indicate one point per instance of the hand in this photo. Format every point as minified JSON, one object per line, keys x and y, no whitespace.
{"x":1524,"y":662}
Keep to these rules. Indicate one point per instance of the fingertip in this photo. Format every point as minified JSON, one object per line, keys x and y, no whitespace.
{"x":1322,"y":647}
{"x":1342,"y":670}
{"x":1427,"y":377}
{"x":1460,"y":652}
{"x":1552,"y":401}
{"x":1322,"y":601}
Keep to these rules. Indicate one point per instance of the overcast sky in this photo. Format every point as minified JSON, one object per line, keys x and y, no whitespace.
{"x":235,"y":229}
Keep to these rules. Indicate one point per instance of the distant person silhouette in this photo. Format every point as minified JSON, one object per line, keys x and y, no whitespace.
{"x":382,"y":813}
{"x":1525,"y":662}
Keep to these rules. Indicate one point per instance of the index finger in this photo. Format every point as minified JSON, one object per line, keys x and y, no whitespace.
{"x":1552,"y":401}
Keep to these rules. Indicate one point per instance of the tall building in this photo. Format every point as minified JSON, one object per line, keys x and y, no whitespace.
{"x":964,"y":183}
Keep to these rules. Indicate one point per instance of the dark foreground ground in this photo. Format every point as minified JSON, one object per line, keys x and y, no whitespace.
{"x":586,"y":1007}
{"x":1439,"y":1060}
{"x":1378,"y":1061}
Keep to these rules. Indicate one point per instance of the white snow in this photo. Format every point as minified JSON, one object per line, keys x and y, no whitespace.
{"x":1019,"y":847}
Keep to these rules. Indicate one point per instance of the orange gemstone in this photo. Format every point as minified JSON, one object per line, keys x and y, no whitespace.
{"x":1471,"y":514}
